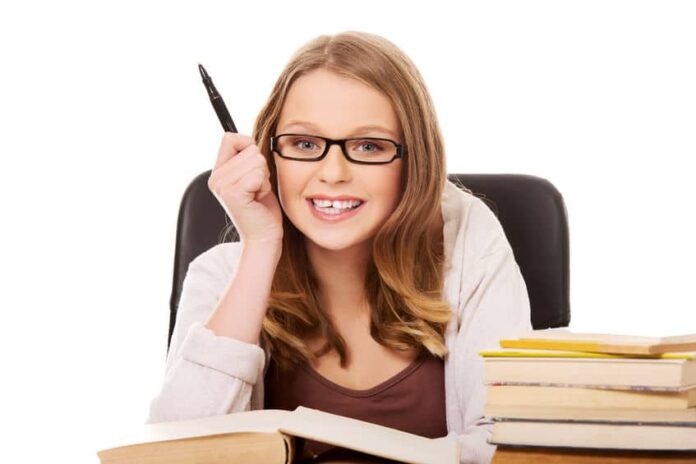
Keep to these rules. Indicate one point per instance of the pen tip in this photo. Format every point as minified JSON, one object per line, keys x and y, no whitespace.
{"x":204,"y":74}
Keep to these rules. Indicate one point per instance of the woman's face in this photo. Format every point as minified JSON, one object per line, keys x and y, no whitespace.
{"x":327,"y":104}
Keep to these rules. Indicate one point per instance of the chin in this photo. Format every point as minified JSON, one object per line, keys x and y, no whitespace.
{"x":334,"y":243}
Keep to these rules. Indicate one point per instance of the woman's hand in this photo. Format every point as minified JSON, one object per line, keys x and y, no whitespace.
{"x":240,"y":182}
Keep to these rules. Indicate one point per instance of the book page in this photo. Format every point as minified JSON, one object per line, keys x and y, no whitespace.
{"x":370,"y":438}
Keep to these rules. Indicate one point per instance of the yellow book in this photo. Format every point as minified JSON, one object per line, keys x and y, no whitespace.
{"x":549,"y":353}
{"x":601,"y":343}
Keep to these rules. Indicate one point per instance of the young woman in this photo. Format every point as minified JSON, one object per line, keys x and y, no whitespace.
{"x":364,"y":282}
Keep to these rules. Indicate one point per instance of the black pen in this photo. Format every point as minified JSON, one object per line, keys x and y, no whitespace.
{"x":218,"y":104}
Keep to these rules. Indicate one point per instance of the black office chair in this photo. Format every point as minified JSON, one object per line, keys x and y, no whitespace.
{"x":530,"y":209}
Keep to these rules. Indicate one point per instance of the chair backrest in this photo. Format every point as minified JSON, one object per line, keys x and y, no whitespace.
{"x":530,"y":209}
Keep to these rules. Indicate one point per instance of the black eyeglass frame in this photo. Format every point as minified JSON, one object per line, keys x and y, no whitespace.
{"x":400,"y":149}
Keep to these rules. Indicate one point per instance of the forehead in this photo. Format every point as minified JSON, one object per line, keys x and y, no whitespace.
{"x":336,"y":105}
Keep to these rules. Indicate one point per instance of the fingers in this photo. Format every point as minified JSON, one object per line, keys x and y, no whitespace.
{"x":242,"y":164}
{"x":265,"y":188}
{"x":249,"y":184}
{"x":230,"y":146}
{"x":240,"y":169}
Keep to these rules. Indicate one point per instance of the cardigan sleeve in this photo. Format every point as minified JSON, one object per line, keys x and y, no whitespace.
{"x":205,"y":374}
{"x":495,"y":304}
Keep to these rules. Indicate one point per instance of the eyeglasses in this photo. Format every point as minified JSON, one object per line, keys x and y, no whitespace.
{"x":361,"y":150}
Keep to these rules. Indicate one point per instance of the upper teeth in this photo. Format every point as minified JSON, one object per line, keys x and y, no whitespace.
{"x":336,"y":204}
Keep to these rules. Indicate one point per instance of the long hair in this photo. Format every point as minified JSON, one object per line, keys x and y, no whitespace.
{"x":405,"y":274}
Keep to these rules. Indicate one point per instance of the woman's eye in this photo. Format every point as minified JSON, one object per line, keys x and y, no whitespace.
{"x":369,"y":144}
{"x":305,"y":144}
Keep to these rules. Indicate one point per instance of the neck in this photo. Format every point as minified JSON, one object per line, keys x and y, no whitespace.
{"x":341,"y":277}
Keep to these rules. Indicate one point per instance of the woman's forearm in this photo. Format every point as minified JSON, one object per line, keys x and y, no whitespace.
{"x":239,"y":313}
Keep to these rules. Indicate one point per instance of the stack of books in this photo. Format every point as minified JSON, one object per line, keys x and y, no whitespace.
{"x":572,"y":395}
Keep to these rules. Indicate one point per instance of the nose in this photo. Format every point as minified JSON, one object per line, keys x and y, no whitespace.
{"x":334,"y":167}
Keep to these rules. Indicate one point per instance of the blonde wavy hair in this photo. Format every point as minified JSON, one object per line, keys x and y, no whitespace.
{"x":405,"y":274}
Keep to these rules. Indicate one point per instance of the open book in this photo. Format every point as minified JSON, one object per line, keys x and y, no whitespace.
{"x":601,"y":343}
{"x":268,"y":436}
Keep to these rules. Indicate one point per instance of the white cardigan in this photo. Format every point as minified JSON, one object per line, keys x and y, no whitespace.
{"x":210,"y":375}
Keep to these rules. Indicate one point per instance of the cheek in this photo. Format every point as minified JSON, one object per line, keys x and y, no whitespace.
{"x":288,"y":184}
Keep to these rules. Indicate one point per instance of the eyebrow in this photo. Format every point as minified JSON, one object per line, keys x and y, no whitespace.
{"x":371,"y":127}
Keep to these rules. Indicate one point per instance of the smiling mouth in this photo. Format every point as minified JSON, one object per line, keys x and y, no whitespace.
{"x":335,"y":206}
{"x":331,"y":213}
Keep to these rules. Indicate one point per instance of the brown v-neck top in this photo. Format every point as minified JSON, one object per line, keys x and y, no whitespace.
{"x":413,"y":400}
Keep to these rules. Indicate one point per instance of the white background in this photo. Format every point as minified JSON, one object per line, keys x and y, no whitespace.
{"x":104,"y":122}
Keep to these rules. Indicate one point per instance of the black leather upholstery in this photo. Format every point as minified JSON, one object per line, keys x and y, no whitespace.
{"x":530,"y":209}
